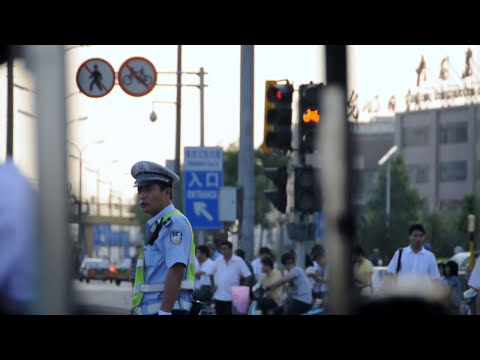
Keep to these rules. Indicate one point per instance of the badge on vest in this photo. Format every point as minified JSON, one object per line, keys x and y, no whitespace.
{"x":175,"y":236}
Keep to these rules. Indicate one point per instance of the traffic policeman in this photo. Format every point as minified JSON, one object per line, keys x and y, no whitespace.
{"x":165,"y":273}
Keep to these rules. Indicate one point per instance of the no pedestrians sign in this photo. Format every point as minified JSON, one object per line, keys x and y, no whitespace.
{"x":95,"y":77}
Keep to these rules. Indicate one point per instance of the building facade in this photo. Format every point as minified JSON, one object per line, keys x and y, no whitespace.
{"x":441,"y":148}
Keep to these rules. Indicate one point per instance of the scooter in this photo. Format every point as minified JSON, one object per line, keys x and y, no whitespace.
{"x":259,"y":292}
{"x":469,"y":298}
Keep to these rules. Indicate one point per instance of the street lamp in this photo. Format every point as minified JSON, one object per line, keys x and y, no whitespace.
{"x":153,"y":115}
{"x":80,"y":220}
{"x":386,"y":158}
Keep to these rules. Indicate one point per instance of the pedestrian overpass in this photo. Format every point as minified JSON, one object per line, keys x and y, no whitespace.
{"x":97,"y":214}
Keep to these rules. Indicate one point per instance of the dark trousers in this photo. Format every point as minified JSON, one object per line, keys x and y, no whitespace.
{"x":296,"y":307}
{"x":204,"y":293}
{"x":267,"y":305}
{"x":223,"y":307}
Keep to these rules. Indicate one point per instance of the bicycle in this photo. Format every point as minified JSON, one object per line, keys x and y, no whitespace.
{"x":140,"y":76}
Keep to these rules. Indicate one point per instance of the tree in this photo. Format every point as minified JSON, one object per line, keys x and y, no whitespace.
{"x":405,"y":205}
{"x":262,"y":160}
{"x":442,"y":233}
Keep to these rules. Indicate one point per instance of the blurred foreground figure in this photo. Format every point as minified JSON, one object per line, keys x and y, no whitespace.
{"x":409,"y":295}
{"x":17,"y":232}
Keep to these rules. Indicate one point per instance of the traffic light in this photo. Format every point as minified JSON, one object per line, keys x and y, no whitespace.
{"x":309,"y":115}
{"x":278,"y":116}
{"x":307,"y":191}
{"x":278,"y":197}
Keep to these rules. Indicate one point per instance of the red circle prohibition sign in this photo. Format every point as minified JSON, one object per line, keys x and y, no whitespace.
{"x":95,"y":77}
{"x":137,"y":76}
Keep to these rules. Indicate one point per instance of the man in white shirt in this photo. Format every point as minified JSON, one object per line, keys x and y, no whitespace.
{"x":415,"y":260}
{"x":226,"y":273}
{"x":257,"y":263}
{"x":203,"y":289}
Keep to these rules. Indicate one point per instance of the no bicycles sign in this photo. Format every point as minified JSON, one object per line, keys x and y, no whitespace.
{"x":137,"y":76}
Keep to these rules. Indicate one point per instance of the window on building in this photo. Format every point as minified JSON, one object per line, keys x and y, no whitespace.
{"x":415,"y":136}
{"x":454,"y":206}
{"x":418,"y":173}
{"x":453,"y":171}
{"x":454,"y":133}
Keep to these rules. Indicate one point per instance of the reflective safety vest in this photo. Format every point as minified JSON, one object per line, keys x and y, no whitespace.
{"x":140,"y":287}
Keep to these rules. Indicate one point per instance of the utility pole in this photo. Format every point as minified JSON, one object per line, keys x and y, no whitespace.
{"x":201,"y":233}
{"x":10,"y":58}
{"x":176,"y":193}
{"x":54,"y":275}
{"x":246,"y":154}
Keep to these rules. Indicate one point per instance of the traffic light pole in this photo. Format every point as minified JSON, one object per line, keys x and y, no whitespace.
{"x":246,"y":155}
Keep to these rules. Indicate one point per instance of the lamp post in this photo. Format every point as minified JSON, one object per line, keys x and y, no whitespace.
{"x":386,"y":158}
{"x":80,"y":219}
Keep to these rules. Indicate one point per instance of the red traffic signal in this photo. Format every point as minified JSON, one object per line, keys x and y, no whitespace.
{"x":280,"y":93}
{"x":278,"y":116}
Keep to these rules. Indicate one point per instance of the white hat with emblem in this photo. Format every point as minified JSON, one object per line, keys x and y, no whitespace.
{"x":147,"y":172}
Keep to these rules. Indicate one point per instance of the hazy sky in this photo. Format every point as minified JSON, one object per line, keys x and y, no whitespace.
{"x":122,"y":120}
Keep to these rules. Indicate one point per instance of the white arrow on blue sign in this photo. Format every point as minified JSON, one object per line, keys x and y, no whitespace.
{"x":203,"y":178}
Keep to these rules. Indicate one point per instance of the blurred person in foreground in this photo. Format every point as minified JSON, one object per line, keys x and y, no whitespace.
{"x":165,"y":272}
{"x":18,"y":225}
{"x":474,"y":282}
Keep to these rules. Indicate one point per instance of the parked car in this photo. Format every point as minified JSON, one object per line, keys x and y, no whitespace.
{"x":94,"y":268}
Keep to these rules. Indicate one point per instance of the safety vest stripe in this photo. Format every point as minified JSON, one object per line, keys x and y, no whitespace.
{"x":185,"y":285}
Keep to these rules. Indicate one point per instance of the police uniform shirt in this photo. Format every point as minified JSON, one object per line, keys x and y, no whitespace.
{"x":171,"y":246}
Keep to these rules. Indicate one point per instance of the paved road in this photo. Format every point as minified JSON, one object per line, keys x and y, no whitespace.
{"x":102,"y":298}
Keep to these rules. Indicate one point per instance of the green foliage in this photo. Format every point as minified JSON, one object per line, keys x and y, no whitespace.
{"x":262,"y":160}
{"x":405,"y":209}
{"x":442,"y":234}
